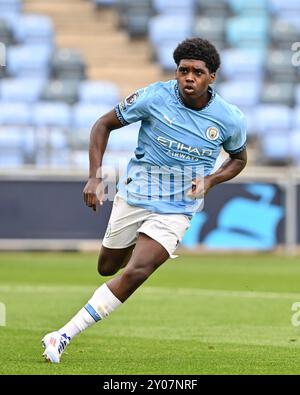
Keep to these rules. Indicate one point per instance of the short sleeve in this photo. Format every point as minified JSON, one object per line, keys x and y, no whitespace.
{"x":134,"y":107}
{"x":237,"y":140}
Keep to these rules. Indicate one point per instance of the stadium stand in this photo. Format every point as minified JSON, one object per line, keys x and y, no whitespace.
{"x":60,"y":76}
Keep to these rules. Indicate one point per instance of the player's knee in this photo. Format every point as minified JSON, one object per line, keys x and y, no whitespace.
{"x":105,"y":268}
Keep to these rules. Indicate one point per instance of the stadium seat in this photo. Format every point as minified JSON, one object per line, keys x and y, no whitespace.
{"x":51,"y":114}
{"x":296,"y":118}
{"x":14,"y":113}
{"x":276,"y":148}
{"x":104,"y":2}
{"x":242,"y":63}
{"x":279,"y":7}
{"x":8,"y":7}
{"x":209,"y":28}
{"x":21,"y":89}
{"x":34,"y":29}
{"x":6,"y":33}
{"x":247,"y":32}
{"x":279,"y":67}
{"x":29,"y":61}
{"x":297,"y":95}
{"x":214,"y":8}
{"x":278,"y":93}
{"x":246,"y":8}
{"x":295,"y":145}
{"x":164,"y":53}
{"x":234,"y":92}
{"x":283,"y":33}
{"x":61,"y":90}
{"x":104,"y":92}
{"x":273,"y":117}
{"x":17,"y":146}
{"x":84,"y":115}
{"x":164,"y":28}
{"x":129,"y":10}
{"x":124,"y":139}
{"x":171,"y":7}
{"x":67,"y":64}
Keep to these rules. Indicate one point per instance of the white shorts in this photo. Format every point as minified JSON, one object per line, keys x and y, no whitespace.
{"x":126,"y":222}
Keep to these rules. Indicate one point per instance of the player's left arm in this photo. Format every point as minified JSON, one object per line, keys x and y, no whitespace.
{"x":228,"y":170}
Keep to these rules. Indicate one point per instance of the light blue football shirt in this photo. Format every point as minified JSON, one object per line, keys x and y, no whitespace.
{"x":175,"y":145}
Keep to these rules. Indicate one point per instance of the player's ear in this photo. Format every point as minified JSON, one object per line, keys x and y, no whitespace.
{"x":212,"y":77}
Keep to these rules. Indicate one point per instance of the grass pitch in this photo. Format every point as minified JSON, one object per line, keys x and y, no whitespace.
{"x":196,"y":315}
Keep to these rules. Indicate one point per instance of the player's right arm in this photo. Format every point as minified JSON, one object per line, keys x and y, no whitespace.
{"x":98,"y":142}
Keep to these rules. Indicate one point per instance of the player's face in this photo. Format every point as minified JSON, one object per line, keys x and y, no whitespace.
{"x":193,"y":78}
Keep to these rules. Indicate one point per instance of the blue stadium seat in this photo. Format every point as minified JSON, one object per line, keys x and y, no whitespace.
{"x":102,"y":92}
{"x":21,"y":89}
{"x":124,"y":139}
{"x":169,"y":28}
{"x":174,"y":7}
{"x":294,"y":139}
{"x":61,"y":90}
{"x":86,"y":114}
{"x":213,"y":8}
{"x":14,"y":113}
{"x":6,"y":33}
{"x":296,"y":118}
{"x":104,"y":2}
{"x":164,"y":53}
{"x":242,"y":63}
{"x":297,"y":95}
{"x":34,"y":29}
{"x":29,"y":61}
{"x":51,"y":114}
{"x":279,"y":67}
{"x":234,"y":91}
{"x":247,"y":32}
{"x":253,"y":7}
{"x":283,"y":33}
{"x":276,"y":148}
{"x":9,"y":7}
{"x":17,"y":146}
{"x":279,"y":7}
{"x":278,"y":93}
{"x":273,"y":117}
{"x":210,"y":28}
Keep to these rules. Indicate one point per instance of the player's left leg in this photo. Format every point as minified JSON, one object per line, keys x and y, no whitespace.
{"x":148,"y":255}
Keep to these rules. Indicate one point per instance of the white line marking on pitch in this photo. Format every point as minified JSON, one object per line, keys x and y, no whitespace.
{"x":148,"y":290}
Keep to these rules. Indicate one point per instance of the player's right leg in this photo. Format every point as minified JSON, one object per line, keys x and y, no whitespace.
{"x":111,"y":259}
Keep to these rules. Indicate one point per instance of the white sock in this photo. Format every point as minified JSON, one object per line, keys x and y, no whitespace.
{"x":101,"y":304}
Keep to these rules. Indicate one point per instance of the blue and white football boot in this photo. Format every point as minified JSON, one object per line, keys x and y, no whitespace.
{"x":54,"y":344}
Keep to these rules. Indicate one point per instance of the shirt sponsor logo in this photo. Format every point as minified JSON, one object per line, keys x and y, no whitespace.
{"x":183,"y":151}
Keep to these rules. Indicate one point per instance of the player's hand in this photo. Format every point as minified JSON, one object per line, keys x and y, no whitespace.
{"x":93,"y":193}
{"x":199,"y":188}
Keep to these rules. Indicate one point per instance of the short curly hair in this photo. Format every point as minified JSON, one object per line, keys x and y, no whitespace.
{"x":199,"y":49}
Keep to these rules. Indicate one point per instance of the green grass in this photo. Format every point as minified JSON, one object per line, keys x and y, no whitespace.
{"x":196,"y":315}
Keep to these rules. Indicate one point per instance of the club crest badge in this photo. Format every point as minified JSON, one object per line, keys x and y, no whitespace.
{"x":212,"y":133}
{"x":131,"y":99}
